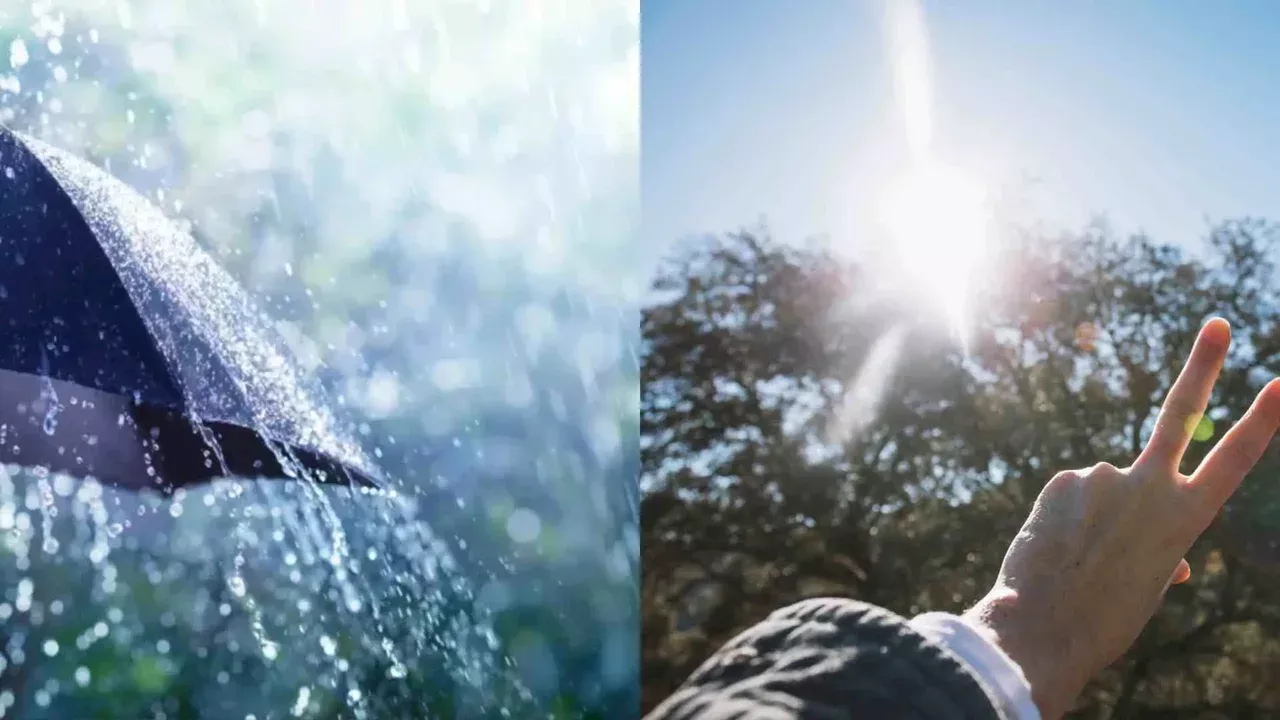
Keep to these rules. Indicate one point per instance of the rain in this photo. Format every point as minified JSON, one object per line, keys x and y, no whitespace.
{"x":393,"y":242}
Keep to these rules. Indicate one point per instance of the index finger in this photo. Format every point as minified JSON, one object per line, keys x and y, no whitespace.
{"x":1188,"y":397}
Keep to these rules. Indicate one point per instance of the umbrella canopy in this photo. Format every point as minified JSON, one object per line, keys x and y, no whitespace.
{"x":127,"y":354}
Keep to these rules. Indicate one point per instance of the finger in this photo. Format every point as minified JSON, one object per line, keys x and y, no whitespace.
{"x":1189,"y":396}
{"x":1240,"y":449}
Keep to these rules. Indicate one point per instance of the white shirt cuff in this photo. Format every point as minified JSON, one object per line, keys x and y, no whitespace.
{"x":996,"y":669}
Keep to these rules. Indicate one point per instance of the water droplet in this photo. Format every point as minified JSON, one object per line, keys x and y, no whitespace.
{"x":18,"y":55}
{"x":524,"y":526}
{"x":302,"y":701}
{"x":49,"y":395}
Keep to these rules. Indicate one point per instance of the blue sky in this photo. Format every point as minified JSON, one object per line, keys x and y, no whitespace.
{"x":1159,"y":114}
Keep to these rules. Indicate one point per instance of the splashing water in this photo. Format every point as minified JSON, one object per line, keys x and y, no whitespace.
{"x":48,"y":396}
{"x":281,"y":598}
{"x":167,"y":273}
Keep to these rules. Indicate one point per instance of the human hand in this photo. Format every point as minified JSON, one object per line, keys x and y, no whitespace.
{"x":1101,"y":546}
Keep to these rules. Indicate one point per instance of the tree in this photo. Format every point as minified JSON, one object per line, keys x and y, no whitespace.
{"x":770,"y":473}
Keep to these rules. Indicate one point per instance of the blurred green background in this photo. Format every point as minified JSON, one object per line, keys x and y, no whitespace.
{"x":436,"y":202}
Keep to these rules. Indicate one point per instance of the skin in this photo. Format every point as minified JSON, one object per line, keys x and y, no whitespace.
{"x":1102,"y":546}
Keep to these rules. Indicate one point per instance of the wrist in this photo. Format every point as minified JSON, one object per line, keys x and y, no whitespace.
{"x":1026,"y":637}
{"x":976,"y":647}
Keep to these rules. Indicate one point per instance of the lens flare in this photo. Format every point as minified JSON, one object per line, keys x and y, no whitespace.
{"x":912,"y":75}
{"x":935,"y":215}
{"x":936,"y":220}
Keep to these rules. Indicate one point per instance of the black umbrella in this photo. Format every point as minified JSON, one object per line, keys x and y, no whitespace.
{"x":128,"y":355}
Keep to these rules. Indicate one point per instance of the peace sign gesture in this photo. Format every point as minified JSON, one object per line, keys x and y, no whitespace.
{"x":1100,"y":547}
{"x":1238,"y":451}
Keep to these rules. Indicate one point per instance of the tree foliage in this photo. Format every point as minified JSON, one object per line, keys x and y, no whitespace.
{"x":802,"y":436}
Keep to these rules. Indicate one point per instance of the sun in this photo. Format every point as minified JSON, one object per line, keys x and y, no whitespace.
{"x":936,"y":219}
